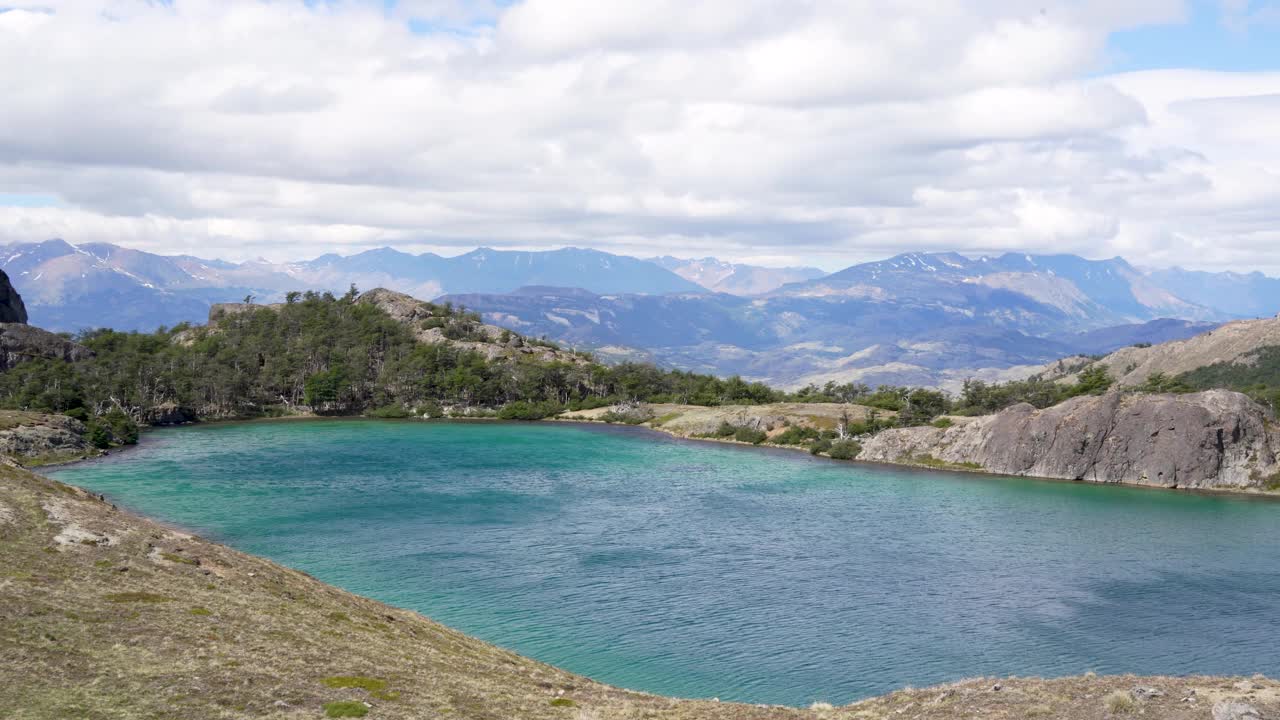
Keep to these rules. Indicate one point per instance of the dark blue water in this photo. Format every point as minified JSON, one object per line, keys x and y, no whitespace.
{"x":703,"y":570}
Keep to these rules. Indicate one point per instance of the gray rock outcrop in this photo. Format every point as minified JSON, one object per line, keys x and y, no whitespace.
{"x":29,"y":435}
{"x":1235,"y":710}
{"x":1202,"y":440}
{"x":12,"y":309}
{"x":20,"y":342}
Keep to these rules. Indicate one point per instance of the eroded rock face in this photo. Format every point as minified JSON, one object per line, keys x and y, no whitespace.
{"x":20,"y":342}
{"x":42,"y":436}
{"x":12,"y":309}
{"x":1209,"y":439}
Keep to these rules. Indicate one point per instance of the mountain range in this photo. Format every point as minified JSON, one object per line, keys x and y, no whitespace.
{"x":917,"y":318}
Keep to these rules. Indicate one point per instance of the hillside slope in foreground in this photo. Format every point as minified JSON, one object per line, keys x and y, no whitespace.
{"x":104,"y":615}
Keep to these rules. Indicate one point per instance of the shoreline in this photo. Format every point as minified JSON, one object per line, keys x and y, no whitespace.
{"x":1271,"y":496}
{"x":1255,"y":493}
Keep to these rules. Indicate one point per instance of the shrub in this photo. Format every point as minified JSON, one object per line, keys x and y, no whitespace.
{"x":430,"y":410}
{"x":525,"y":410}
{"x":750,"y":435}
{"x":78,"y":413}
{"x":943,"y":423}
{"x":1119,"y":702}
{"x":99,"y":435}
{"x":124,"y":430}
{"x":795,"y":435}
{"x":820,"y":446}
{"x":389,"y":412}
{"x":345,"y":709}
{"x":845,"y":449}
{"x":725,"y":430}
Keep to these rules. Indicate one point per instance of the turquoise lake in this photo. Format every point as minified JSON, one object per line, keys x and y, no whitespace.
{"x":702,"y":570}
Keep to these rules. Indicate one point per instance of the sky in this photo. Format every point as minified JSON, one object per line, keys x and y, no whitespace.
{"x":779,"y":132}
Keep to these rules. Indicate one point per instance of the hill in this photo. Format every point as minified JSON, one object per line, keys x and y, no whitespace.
{"x":793,"y":340}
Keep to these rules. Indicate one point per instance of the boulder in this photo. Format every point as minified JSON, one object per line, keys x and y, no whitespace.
{"x":1235,"y":710}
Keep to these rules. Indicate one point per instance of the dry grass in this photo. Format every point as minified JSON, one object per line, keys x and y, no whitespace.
{"x":115,"y":631}
{"x":1119,"y":702}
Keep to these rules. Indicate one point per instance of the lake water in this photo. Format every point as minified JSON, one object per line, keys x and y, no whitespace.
{"x":703,"y":570}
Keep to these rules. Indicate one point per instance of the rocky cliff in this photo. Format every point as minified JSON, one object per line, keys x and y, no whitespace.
{"x":35,"y":436}
{"x":20,"y":342}
{"x":1203,"y":440}
{"x":12,"y":309}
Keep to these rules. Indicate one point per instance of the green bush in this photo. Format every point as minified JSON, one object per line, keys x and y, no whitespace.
{"x":750,"y":435}
{"x":795,"y":435}
{"x":99,"y":434}
{"x":726,"y":430}
{"x":389,"y":412}
{"x":430,"y":410}
{"x":845,"y":449}
{"x":820,"y":446}
{"x":943,"y":423}
{"x":525,"y":410}
{"x":78,"y":413}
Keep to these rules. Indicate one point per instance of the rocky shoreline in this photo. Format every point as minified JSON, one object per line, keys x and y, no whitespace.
{"x":1217,"y":441}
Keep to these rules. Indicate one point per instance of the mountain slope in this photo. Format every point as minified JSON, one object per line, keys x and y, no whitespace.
{"x":1249,"y":296}
{"x":1088,"y":293}
{"x":1234,"y":343}
{"x":734,"y":278}
{"x":70,"y":288}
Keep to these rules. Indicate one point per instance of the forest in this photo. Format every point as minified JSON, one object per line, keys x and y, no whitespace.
{"x":334,"y":355}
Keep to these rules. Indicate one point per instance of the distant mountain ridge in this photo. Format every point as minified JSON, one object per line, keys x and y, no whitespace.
{"x":1096,"y":292}
{"x":735,"y":278}
{"x":916,"y":318}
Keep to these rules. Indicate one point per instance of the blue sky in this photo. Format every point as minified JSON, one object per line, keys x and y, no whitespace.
{"x":1212,"y":38}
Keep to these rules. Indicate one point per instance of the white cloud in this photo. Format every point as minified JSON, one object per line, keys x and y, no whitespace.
{"x":818,"y":131}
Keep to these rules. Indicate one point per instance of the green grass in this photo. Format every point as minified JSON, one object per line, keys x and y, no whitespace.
{"x":200,"y":611}
{"x":563,"y":702}
{"x":376,"y":687}
{"x":137,"y":597}
{"x":345,"y":709}
{"x":664,"y":419}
